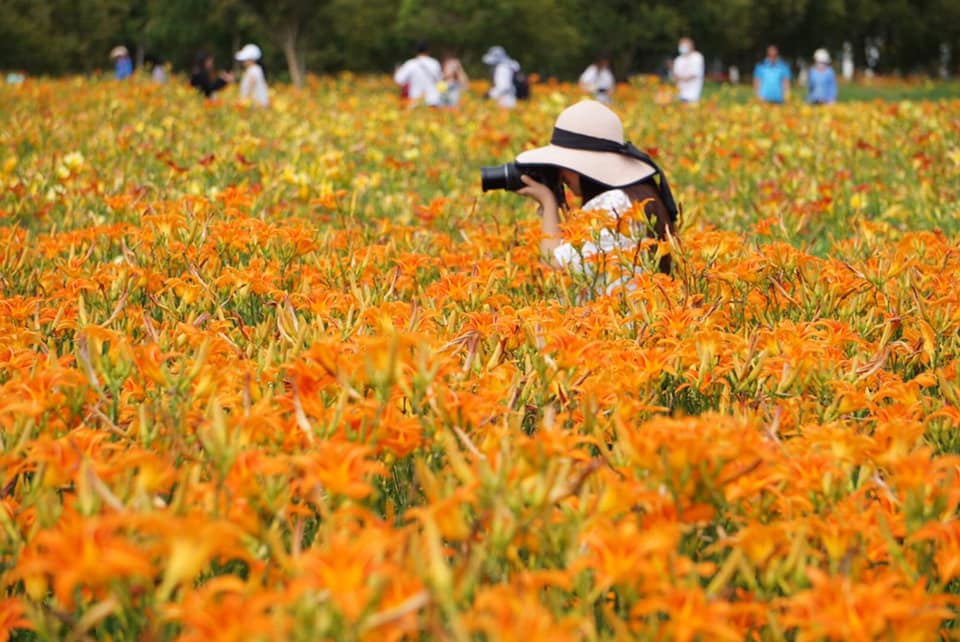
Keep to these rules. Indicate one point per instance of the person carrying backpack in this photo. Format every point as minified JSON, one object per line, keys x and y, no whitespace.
{"x":506,"y":77}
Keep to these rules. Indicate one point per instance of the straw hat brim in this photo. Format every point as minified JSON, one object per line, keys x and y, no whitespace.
{"x":609,"y":168}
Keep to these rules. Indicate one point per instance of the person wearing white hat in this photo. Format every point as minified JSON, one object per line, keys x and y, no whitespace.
{"x":123,"y":66}
{"x":822,"y":82}
{"x":505,"y":69}
{"x":253,"y":85}
{"x":596,"y":163}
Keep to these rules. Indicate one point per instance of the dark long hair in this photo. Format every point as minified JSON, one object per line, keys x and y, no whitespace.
{"x":200,"y":63}
{"x":660,"y":226}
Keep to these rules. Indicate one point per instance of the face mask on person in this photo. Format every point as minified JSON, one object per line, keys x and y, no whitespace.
{"x":684,"y":49}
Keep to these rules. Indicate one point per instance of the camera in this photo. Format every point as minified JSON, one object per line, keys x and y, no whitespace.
{"x":507,"y":176}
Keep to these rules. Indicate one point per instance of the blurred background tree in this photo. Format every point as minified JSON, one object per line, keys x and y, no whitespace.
{"x":553,"y":37}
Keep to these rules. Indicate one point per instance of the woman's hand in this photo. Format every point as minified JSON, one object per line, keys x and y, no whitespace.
{"x":549,"y":215}
{"x":538,"y":192}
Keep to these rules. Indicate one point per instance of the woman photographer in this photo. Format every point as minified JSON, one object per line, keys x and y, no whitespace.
{"x":609,"y":175}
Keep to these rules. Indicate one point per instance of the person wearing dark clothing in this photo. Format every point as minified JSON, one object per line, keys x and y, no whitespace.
{"x":205,"y":78}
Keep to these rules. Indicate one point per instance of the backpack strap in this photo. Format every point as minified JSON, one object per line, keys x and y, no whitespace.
{"x":421,"y":62}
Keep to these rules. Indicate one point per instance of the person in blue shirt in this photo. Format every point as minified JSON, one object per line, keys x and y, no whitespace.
{"x":822,"y":85}
{"x":123,"y":66}
{"x":771,"y":78}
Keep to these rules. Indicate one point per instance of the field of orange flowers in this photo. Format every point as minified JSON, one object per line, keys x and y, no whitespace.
{"x":288,"y":375}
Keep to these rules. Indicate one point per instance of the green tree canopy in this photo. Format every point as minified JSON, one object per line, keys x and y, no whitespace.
{"x":554,"y":37}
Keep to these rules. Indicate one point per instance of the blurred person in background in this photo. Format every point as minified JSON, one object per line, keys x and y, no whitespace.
{"x":205,"y":77}
{"x":122,"y":65}
{"x":422,"y":77}
{"x":821,"y":80}
{"x":504,"y":69}
{"x":455,"y":80}
{"x":771,"y":78}
{"x":253,"y":84}
{"x":688,"y":71}
{"x":157,"y":69}
{"x":598,"y":80}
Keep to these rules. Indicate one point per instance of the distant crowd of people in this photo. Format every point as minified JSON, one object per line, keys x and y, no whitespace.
{"x":771,"y":76}
{"x":425,"y":80}
{"x":205,"y":77}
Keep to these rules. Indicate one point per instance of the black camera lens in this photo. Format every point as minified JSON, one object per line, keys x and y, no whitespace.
{"x":506,"y":176}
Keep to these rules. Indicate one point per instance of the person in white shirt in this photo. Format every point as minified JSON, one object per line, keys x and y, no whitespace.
{"x":159,"y":74}
{"x":688,"y":72}
{"x":253,"y":85}
{"x":598,"y":80}
{"x":421,"y":75}
{"x":504,"y":69}
{"x":158,"y":70}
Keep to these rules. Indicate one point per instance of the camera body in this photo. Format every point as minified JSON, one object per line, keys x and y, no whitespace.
{"x":507,"y":177}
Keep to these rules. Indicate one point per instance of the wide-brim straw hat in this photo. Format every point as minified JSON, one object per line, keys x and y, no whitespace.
{"x":594,"y":119}
{"x":118,"y":52}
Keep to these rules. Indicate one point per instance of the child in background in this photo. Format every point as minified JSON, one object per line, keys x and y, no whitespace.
{"x":822,"y":83}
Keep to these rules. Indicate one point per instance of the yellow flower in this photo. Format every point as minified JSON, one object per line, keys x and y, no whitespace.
{"x":73,"y":161}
